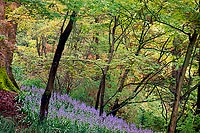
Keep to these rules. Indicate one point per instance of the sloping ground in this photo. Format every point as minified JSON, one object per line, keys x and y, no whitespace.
{"x":65,"y":114}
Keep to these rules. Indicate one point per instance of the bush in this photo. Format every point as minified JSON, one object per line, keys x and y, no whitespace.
{"x":86,"y":92}
{"x":150,"y":121}
{"x":189,"y":124}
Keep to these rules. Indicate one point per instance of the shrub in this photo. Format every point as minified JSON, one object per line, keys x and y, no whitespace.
{"x":189,"y":123}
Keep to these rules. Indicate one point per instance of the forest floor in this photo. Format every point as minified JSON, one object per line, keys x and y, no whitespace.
{"x":10,"y":108}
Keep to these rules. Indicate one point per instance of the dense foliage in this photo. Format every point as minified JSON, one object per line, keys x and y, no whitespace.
{"x":143,"y":53}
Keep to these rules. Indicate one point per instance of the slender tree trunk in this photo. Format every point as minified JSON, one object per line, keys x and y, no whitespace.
{"x":101,"y":91}
{"x":197,"y":129}
{"x":47,"y":94}
{"x":174,"y":115}
{"x":124,"y":76}
{"x":44,"y":47}
{"x":197,"y":112}
{"x":98,"y":97}
{"x":198,"y":91}
{"x":103,"y":85}
{"x":38,"y":46}
{"x":96,"y":38}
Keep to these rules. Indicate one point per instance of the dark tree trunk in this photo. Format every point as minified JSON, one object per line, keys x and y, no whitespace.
{"x":43,"y":41}
{"x":124,"y":76}
{"x":47,"y":94}
{"x":38,"y":46}
{"x":98,"y":97}
{"x":101,"y":91}
{"x":115,"y":107}
{"x":174,"y":115}
{"x":103,"y":85}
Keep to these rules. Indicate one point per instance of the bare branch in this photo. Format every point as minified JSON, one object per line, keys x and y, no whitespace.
{"x":163,"y":106}
{"x":173,"y":27}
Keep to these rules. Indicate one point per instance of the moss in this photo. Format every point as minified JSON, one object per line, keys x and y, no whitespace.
{"x":2,"y":37}
{"x":5,"y":82}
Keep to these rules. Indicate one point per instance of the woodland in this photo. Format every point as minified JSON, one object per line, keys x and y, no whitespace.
{"x":100,"y":66}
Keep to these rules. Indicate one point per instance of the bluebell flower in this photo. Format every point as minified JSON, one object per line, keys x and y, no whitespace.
{"x":64,"y":107}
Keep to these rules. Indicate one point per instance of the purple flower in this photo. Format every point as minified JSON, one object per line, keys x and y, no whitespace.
{"x":62,"y":106}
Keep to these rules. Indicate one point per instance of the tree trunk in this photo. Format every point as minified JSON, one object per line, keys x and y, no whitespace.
{"x":198,"y":91}
{"x":2,"y":12}
{"x":101,"y":91}
{"x":197,"y":112}
{"x":38,"y":44}
{"x":43,"y":41}
{"x":103,"y":85}
{"x":7,"y":45}
{"x":174,"y":115}
{"x":96,"y":38}
{"x":47,"y":94}
{"x":98,"y":97}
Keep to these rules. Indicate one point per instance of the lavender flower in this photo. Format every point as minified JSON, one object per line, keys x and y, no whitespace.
{"x":63,"y":107}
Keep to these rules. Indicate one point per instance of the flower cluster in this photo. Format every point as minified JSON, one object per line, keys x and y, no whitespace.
{"x":62,"y":106}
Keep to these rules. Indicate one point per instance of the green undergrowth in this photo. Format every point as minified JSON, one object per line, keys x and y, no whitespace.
{"x":33,"y":82}
{"x":8,"y":125}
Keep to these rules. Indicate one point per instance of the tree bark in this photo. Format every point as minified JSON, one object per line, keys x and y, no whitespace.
{"x":98,"y":97}
{"x":197,"y":112}
{"x":2,"y":12}
{"x":43,"y":41}
{"x":38,"y":44}
{"x":198,"y":91}
{"x":47,"y":94}
{"x":103,"y":86}
{"x":174,"y":115}
{"x":7,"y":46}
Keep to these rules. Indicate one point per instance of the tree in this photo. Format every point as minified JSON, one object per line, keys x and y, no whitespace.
{"x":192,"y":24}
{"x":197,"y":111}
{"x":180,"y":80}
{"x":60,"y":47}
{"x":198,"y":92}
{"x":7,"y":46}
{"x":8,"y":37}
